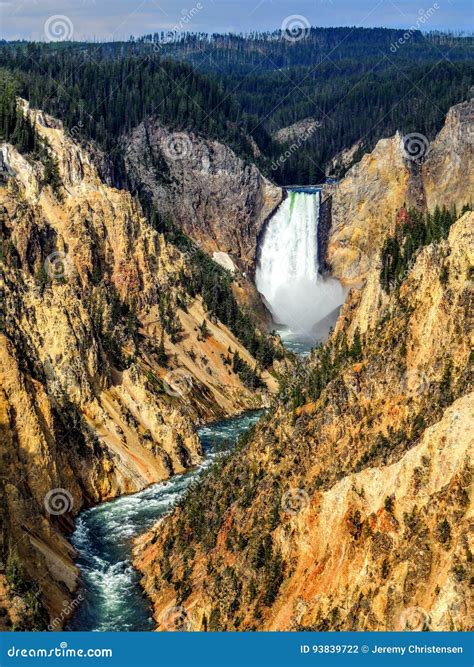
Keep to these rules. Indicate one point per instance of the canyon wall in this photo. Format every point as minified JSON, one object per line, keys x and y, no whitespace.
{"x":214,"y":196}
{"x":364,"y":204}
{"x":348,"y":507}
{"x":106,"y":367}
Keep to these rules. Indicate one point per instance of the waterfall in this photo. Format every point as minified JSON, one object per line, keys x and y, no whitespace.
{"x":298,"y":297}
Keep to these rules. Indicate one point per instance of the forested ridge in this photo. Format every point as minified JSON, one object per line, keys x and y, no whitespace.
{"x":272,"y":50}
{"x":400,"y":250}
{"x":104,"y":98}
{"x":359,"y":84}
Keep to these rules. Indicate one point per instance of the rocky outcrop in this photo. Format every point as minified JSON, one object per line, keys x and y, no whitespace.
{"x":324,"y":230}
{"x":343,"y":160}
{"x":348,"y":509}
{"x":300,"y":130}
{"x":215,"y":197}
{"x":365,"y":202}
{"x":448,"y":170}
{"x":363,"y":207}
{"x":105,"y":365}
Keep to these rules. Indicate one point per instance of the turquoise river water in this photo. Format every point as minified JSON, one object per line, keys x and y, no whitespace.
{"x":112,"y":598}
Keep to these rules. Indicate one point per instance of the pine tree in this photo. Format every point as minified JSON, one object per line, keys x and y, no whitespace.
{"x":51,"y":173}
{"x":204,"y":330}
{"x":162,"y":357}
{"x":356,"y":347}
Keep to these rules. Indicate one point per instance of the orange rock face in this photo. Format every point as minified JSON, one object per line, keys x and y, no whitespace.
{"x":87,"y":407}
{"x":352,"y":511}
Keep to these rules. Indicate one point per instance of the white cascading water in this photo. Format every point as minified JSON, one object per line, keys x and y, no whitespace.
{"x":287,"y":273}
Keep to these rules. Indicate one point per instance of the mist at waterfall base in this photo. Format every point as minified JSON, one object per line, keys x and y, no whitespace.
{"x":301,"y":300}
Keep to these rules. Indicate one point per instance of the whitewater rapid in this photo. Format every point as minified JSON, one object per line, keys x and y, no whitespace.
{"x":298,"y":296}
{"x":110,"y":593}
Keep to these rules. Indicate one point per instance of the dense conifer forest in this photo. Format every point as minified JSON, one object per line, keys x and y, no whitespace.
{"x":417,"y":230}
{"x":358,"y":84}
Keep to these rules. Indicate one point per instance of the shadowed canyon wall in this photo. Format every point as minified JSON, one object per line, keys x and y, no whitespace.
{"x":213,"y":195}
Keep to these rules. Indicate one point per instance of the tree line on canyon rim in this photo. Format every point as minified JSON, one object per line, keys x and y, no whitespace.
{"x":240,"y":89}
{"x":415,"y":231}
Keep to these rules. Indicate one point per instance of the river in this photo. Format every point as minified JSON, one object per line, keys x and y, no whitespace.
{"x":112,"y":598}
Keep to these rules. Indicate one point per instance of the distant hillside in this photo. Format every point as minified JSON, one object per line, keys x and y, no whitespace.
{"x":231,"y":53}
